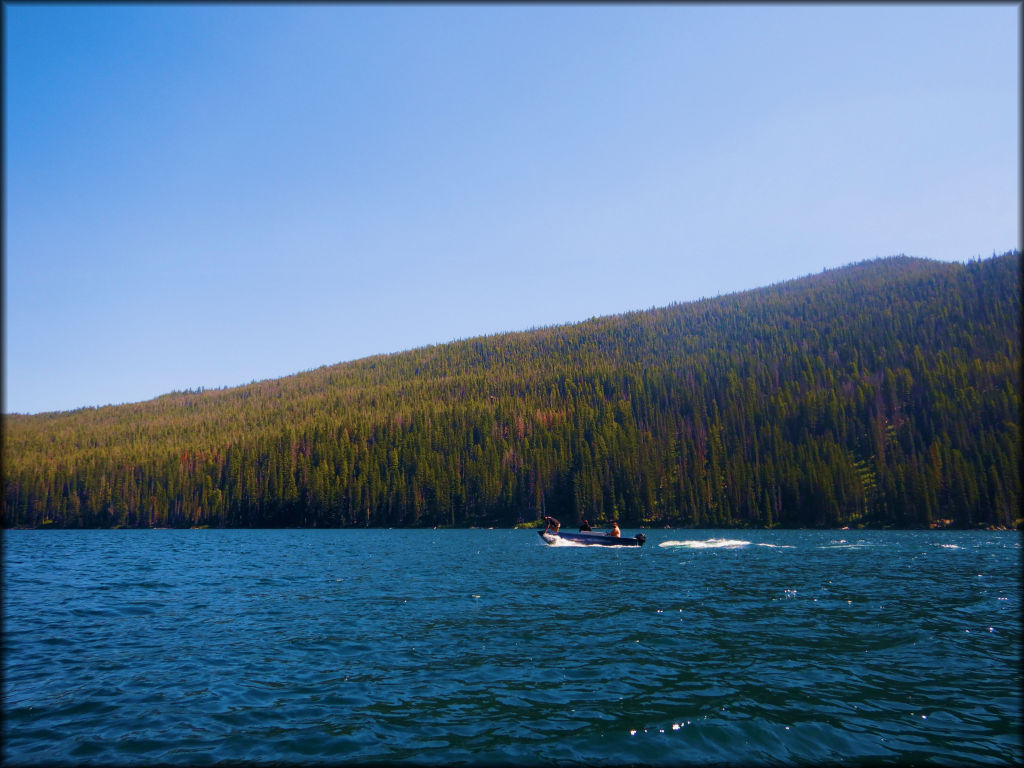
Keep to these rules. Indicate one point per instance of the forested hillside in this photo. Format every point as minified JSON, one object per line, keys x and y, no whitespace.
{"x":886,"y":393}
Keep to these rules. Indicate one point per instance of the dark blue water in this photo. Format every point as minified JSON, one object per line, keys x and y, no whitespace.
{"x":760,"y":647}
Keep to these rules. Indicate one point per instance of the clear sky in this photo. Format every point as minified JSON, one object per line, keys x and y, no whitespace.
{"x":206,"y":195}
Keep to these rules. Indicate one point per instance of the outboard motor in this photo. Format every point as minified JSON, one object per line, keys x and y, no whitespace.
{"x":641,"y":539}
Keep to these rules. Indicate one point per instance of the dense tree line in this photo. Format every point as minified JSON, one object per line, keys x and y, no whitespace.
{"x":886,"y":393}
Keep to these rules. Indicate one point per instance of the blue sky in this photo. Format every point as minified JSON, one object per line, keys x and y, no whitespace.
{"x":206,"y":195}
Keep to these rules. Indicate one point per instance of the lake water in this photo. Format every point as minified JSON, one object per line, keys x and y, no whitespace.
{"x":488,"y":646}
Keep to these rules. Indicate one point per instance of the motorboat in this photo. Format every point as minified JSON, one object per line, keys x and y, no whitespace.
{"x":591,"y":538}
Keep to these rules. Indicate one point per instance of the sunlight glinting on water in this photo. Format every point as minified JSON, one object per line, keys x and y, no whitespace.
{"x":174,"y":647}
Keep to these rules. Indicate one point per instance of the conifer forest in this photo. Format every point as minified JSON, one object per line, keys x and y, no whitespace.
{"x":881,"y":394}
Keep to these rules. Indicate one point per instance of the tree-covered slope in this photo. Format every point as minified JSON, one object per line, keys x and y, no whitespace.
{"x":884,"y":393}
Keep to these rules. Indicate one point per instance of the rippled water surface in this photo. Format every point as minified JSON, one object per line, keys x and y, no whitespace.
{"x":488,"y":646}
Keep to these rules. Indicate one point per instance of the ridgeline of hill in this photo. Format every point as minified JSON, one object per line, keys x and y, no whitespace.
{"x":886,"y":393}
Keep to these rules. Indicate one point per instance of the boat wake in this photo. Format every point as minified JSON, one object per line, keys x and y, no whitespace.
{"x":707,"y":544}
{"x":721,"y":544}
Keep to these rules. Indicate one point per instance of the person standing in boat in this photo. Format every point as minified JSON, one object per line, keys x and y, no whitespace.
{"x":585,"y":526}
{"x":551,"y":524}
{"x":615,"y":530}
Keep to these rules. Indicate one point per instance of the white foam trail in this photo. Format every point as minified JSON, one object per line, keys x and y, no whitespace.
{"x":778,"y":546}
{"x":707,"y":544}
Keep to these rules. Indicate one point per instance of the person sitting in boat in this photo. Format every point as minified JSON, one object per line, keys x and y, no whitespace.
{"x":551,"y":524}
{"x":585,"y":526}
{"x":615,"y":529}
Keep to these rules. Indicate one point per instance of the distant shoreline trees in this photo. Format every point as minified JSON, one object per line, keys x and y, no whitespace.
{"x":883,"y":394}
